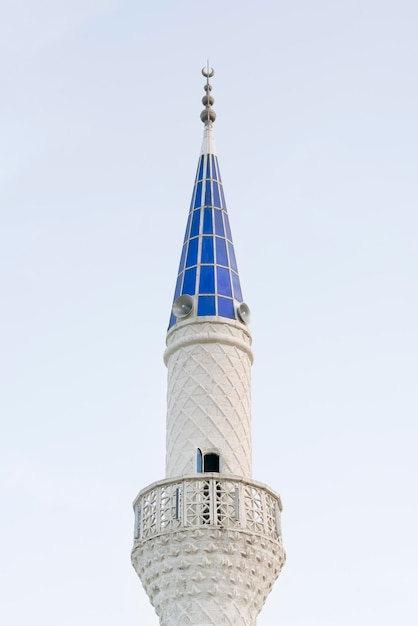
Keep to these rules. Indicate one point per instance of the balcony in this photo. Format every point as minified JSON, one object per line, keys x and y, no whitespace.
{"x":207,"y":501}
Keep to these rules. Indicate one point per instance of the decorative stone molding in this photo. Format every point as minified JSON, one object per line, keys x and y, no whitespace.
{"x":206,"y":330}
{"x":208,"y":549}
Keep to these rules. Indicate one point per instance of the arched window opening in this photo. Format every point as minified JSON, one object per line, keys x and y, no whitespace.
{"x":211,"y":463}
{"x":199,"y":461}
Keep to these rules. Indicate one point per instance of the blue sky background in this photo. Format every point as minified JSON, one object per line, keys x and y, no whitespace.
{"x":317,"y":135}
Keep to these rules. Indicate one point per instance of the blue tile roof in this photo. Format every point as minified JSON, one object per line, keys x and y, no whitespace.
{"x":208,"y":268}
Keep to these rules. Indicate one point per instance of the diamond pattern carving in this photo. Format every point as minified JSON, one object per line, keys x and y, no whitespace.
{"x":208,"y":397}
{"x":208,"y":547}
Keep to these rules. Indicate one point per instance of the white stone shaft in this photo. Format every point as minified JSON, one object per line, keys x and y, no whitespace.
{"x":208,"y":143}
{"x":209,"y":395}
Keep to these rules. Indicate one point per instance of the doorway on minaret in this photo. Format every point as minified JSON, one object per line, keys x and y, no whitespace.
{"x":211,"y":462}
{"x":207,"y":462}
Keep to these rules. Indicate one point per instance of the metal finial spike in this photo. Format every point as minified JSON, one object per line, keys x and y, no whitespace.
{"x":208,"y":116}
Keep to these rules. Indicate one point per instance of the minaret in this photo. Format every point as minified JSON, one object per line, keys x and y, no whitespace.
{"x":208,"y":543}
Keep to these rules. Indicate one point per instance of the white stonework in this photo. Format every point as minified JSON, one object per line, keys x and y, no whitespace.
{"x":208,"y":544}
{"x":208,"y":395}
{"x":208,"y":143}
{"x":208,"y":549}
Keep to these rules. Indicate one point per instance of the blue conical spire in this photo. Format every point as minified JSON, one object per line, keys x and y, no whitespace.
{"x":208,"y":269}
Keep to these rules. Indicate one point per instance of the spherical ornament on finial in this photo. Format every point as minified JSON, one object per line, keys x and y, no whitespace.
{"x":208,"y":116}
{"x":208,"y":100}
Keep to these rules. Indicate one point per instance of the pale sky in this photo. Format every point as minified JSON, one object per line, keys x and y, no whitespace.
{"x":317,"y":135}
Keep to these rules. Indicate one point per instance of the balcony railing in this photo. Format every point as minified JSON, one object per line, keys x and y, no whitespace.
{"x":207,"y":500}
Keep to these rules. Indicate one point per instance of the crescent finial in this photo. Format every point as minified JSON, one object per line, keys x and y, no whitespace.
{"x":206,"y":72}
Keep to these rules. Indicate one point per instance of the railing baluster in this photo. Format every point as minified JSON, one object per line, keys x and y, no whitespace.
{"x":137,"y":527}
{"x":177,"y":502}
{"x":277,"y":519}
{"x":236,"y":503}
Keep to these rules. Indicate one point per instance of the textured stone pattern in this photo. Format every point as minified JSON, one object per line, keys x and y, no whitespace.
{"x":208,"y":397}
{"x":210,"y":568}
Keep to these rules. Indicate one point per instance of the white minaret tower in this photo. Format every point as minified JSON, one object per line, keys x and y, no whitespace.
{"x":208,"y":543}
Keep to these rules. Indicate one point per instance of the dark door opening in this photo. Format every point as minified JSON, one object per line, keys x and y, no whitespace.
{"x":211,"y":463}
